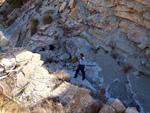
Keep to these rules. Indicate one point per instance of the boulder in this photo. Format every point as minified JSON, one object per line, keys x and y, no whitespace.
{"x":118,"y":106}
{"x":107,"y":109}
{"x":131,"y":110}
{"x":65,"y":56}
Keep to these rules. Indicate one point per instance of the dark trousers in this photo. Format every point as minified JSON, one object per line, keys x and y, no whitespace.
{"x":80,"y":67}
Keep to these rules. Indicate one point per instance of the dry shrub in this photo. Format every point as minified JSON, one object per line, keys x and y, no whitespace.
{"x":47,"y":19}
{"x":127,"y":68}
{"x":114,"y":55}
{"x":102,"y":96}
{"x":62,"y":75}
{"x":96,"y":106}
{"x":33,"y":27}
{"x":9,"y":106}
{"x":48,"y":105}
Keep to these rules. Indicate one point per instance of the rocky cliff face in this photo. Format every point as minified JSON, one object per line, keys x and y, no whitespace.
{"x":118,"y":27}
{"x":100,"y":29}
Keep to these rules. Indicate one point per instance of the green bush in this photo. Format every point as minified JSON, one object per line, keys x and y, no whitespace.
{"x":33,"y":27}
{"x":47,"y":19}
{"x":16,"y":3}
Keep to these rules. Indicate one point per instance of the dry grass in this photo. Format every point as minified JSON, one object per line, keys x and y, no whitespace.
{"x":9,"y":106}
{"x":50,"y":105}
{"x":62,"y":75}
{"x":47,"y":19}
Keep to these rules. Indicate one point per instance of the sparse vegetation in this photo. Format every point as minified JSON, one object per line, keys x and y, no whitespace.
{"x":33,"y":27}
{"x":114,"y":55}
{"x":50,"y":105}
{"x":9,"y":106}
{"x":61,"y":75}
{"x":47,"y":19}
{"x":16,"y":3}
{"x":126,"y":68}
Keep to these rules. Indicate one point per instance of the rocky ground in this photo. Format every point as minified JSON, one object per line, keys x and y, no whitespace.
{"x":112,"y":34}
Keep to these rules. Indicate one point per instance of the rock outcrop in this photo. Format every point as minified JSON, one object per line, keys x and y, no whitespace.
{"x":28,"y":82}
{"x":119,"y":27}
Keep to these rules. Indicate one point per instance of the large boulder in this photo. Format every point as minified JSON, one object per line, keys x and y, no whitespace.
{"x":107,"y":109}
{"x":131,"y":110}
{"x":119,"y":107}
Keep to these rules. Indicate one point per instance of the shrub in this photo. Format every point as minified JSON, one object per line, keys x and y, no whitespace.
{"x":16,"y":3}
{"x":61,"y":75}
{"x":126,"y":68}
{"x":47,"y":19}
{"x":33,"y":27}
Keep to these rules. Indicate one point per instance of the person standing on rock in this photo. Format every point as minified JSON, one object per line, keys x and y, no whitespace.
{"x":81,"y":67}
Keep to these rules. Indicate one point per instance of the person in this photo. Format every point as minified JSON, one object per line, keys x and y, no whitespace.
{"x":81,"y":67}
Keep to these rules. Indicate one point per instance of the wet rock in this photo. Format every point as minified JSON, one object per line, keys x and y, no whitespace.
{"x":118,"y":106}
{"x":131,"y":110}
{"x":107,"y":109}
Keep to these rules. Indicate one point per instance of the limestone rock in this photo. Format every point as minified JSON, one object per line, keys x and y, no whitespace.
{"x":71,"y":47}
{"x":147,"y":15}
{"x":74,"y":12}
{"x":72,"y":4}
{"x":3,"y":40}
{"x":148,"y":53}
{"x":43,"y":28}
{"x":122,"y":8}
{"x":136,"y":73}
{"x":65,"y":56}
{"x":107,"y":109}
{"x":135,"y":18}
{"x":63,"y":6}
{"x":118,"y":106}
{"x":131,"y":110}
